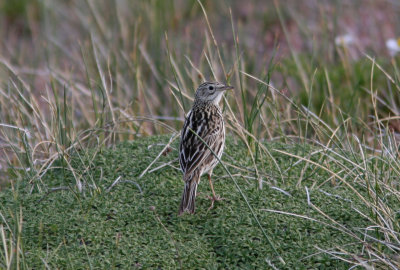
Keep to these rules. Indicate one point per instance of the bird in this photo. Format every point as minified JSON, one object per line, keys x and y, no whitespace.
{"x":205,"y":121}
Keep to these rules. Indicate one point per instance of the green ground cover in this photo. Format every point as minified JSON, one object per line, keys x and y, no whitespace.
{"x":135,"y":224}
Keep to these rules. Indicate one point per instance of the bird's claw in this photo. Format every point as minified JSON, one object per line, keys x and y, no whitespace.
{"x":213,"y":199}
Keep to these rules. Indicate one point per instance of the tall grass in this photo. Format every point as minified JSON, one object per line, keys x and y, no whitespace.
{"x":88,"y":74}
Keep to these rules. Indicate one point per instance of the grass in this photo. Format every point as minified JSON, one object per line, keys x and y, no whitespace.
{"x":136,"y":224}
{"x":84,"y":85}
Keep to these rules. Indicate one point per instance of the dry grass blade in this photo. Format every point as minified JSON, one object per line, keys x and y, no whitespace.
{"x":329,"y":171}
{"x":173,"y":138}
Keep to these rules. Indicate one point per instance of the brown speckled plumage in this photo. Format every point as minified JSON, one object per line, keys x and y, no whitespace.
{"x":206,"y":120}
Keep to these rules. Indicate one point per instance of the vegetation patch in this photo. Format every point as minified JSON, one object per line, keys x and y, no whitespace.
{"x":134,"y":223}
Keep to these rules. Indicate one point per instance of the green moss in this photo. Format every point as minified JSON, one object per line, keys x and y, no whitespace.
{"x":122,"y":228}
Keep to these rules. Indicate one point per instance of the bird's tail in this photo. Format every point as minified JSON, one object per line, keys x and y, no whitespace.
{"x":189,"y":196}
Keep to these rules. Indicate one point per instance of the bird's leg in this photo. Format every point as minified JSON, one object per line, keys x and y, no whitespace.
{"x":214,"y":197}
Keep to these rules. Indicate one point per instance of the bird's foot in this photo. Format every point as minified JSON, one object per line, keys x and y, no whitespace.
{"x":213,"y":199}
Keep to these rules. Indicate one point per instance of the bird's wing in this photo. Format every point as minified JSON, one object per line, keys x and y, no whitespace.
{"x":192,"y":151}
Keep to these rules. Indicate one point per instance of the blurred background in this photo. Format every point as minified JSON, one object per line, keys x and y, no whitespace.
{"x":130,"y":68}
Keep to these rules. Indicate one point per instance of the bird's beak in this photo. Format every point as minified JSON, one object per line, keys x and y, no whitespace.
{"x":226,"y":87}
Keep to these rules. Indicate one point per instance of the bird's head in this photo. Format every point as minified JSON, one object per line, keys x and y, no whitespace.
{"x":211,"y":92}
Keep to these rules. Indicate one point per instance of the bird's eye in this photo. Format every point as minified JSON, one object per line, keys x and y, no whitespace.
{"x":211,"y":87}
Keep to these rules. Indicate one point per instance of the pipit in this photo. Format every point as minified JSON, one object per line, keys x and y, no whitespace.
{"x":204,"y":120}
